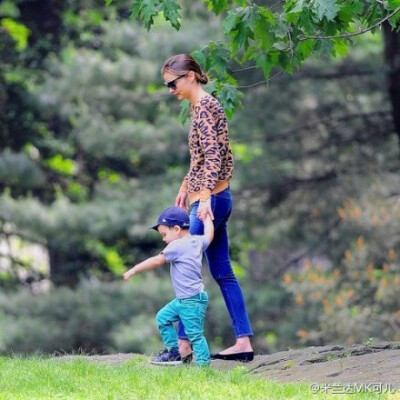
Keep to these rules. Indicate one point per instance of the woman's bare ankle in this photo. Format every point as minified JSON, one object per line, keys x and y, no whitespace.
{"x":184,"y":347}
{"x":242,"y":345}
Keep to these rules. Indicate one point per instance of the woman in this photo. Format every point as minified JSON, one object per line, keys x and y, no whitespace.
{"x":206,"y":186}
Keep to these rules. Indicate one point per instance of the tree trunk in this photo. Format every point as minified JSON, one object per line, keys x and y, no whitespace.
{"x":63,"y":271}
{"x":392,"y":57}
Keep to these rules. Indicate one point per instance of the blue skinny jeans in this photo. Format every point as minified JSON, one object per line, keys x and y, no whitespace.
{"x":217,"y":255}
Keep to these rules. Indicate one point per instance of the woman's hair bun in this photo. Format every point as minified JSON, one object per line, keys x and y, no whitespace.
{"x":203,"y":78}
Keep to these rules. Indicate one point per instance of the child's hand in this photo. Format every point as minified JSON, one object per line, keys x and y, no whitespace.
{"x":127,"y":275}
{"x":204,"y":209}
{"x":204,"y":217}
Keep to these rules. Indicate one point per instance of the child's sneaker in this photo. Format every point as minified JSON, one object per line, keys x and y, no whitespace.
{"x":167,"y":357}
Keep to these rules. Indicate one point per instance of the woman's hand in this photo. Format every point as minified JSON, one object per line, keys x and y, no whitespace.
{"x":204,"y":209}
{"x":180,"y":200}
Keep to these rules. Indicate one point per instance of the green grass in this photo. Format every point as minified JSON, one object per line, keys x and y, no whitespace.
{"x":52,"y":378}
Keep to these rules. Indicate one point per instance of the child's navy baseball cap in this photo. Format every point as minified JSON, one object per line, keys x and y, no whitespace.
{"x":172,"y":216}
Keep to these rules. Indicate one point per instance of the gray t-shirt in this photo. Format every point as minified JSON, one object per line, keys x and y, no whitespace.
{"x":185,"y":255}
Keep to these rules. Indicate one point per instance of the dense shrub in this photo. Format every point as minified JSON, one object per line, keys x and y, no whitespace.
{"x":90,"y":318}
{"x":119,"y":317}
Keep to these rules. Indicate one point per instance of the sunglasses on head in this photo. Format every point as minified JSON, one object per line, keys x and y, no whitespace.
{"x":172,"y":84}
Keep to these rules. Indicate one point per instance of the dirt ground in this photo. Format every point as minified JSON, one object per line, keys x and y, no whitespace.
{"x":376,"y":364}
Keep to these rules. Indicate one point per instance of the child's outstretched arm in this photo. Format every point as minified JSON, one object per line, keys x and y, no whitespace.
{"x":208,"y":227}
{"x":150,"y":263}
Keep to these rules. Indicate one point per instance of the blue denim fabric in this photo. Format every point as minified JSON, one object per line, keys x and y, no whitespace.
{"x":217,"y":256}
{"x":191,"y":312}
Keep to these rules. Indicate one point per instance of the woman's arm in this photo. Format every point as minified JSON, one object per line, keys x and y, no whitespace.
{"x":181,"y":198}
{"x":207,"y":129}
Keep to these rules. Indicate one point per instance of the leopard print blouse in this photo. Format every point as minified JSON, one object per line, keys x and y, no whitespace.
{"x":211,"y":158}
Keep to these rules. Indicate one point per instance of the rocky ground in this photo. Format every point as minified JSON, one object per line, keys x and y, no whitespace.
{"x":377,"y":364}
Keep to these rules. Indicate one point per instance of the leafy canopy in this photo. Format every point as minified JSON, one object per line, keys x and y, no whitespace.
{"x":273,"y":35}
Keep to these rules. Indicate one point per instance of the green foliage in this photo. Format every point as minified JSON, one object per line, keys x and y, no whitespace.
{"x":17,"y":31}
{"x":92,"y":150}
{"x":271,"y":39}
{"x":19,"y":170}
{"x":119,"y":317}
{"x":94,"y":317}
{"x":62,"y":165}
{"x":148,"y":10}
{"x":93,"y":131}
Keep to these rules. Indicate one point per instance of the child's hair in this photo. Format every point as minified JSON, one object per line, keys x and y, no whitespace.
{"x":181,"y":64}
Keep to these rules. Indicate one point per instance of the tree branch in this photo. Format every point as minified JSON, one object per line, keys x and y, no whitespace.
{"x":347,"y":35}
{"x":260,"y":82}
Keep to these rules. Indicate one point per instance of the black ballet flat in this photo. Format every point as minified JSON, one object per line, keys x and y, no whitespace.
{"x":187,"y":359}
{"x":243,"y":357}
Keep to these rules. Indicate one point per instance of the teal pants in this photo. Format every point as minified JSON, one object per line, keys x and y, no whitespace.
{"x":191,"y":312}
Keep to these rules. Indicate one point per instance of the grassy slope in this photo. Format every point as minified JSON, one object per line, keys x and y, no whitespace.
{"x":41,"y":378}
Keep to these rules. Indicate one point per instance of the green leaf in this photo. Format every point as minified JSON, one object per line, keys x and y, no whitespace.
{"x":136,"y":7}
{"x":114,"y":261}
{"x":393,"y":4}
{"x":9,"y":9}
{"x":325,"y":8}
{"x":109,"y":175}
{"x":171,"y":12}
{"x":340,"y":47}
{"x":286,"y":62}
{"x":324,"y":47}
{"x":217,"y":5}
{"x":218,"y":58}
{"x":263,"y":32}
{"x":349,"y":12}
{"x":241,"y":3}
{"x":249,"y":54}
{"x":149,"y":11}
{"x":77,"y":192}
{"x":239,"y":25}
{"x":17,"y":31}
{"x":250,"y":16}
{"x":281,"y":29}
{"x":246,"y":152}
{"x":266,"y":15}
{"x":62,"y":165}
{"x":230,"y":22}
{"x":94,"y":17}
{"x":229,"y":97}
{"x":145,"y":11}
{"x":238,"y":270}
{"x":305,"y":48}
{"x":108,"y":2}
{"x":298,"y":7}
{"x":395,"y":19}
{"x":306,"y":23}
{"x":263,"y":61}
{"x":200,"y":57}
{"x":263,"y":36}
{"x":242,"y":36}
{"x":280,"y":45}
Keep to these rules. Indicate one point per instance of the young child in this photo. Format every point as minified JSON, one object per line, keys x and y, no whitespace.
{"x":184,"y":252}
